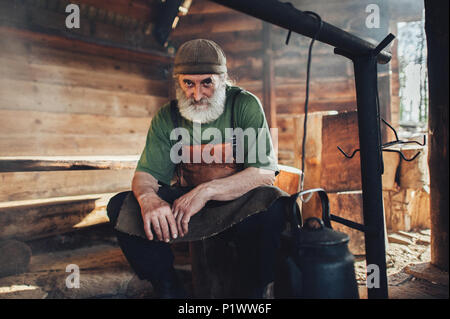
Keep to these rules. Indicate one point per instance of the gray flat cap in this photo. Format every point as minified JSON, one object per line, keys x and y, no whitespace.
{"x":200,"y":56}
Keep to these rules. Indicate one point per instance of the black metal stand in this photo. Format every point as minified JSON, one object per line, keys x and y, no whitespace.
{"x":371,"y":168}
{"x":365,"y":57}
{"x":371,"y":158}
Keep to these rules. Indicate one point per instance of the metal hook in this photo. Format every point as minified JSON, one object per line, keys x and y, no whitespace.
{"x":346,"y":155}
{"x":388,"y":144}
{"x":397,"y":141}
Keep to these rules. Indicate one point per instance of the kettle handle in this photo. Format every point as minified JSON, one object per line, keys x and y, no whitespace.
{"x":296,"y":218}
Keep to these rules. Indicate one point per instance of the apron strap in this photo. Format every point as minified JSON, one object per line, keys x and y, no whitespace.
{"x":232,"y":107}
{"x":232,"y":121}
{"x":174,"y":116}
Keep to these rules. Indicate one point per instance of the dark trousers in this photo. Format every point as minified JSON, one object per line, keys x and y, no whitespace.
{"x":257,"y":239}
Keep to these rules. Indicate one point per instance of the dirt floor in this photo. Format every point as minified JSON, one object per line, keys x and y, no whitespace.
{"x":410,"y":275}
{"x":104,"y":272}
{"x":403,"y":249}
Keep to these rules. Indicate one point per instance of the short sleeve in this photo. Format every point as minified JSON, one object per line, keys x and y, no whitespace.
{"x":258,"y":147}
{"x":155,"y":158}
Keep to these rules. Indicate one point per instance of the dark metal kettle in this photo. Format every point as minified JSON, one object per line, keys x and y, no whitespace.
{"x":314,"y":261}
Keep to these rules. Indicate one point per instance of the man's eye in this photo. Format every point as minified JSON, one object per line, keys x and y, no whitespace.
{"x":207,"y":82}
{"x":188,"y":83}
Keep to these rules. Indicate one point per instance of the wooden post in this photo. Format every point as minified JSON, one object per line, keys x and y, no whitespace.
{"x":269,"y":104}
{"x":436,"y":28}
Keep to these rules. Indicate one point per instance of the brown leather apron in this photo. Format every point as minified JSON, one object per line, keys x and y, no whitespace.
{"x":223,"y":159}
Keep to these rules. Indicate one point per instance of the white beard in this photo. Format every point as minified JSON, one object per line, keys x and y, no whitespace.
{"x":206,"y":110}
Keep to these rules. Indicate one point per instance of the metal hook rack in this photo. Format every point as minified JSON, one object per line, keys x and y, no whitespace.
{"x":385,"y":146}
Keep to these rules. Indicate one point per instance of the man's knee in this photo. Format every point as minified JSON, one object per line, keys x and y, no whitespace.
{"x":272,"y":220}
{"x":114,"y":205}
{"x":274,"y":216}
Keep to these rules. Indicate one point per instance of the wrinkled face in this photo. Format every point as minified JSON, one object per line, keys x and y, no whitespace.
{"x":197,"y":86}
{"x":201,"y":97}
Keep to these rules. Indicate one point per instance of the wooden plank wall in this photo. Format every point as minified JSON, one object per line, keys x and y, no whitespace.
{"x":61,"y":97}
{"x":55,"y":101}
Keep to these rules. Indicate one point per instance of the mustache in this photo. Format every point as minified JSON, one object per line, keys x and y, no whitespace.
{"x":202,"y":101}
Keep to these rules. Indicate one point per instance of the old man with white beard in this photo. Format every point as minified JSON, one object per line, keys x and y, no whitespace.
{"x":179,"y":195}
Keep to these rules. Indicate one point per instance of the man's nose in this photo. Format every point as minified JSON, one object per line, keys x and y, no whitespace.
{"x":197,"y":94}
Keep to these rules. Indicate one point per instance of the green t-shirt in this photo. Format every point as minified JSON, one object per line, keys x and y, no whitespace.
{"x":248,"y":116}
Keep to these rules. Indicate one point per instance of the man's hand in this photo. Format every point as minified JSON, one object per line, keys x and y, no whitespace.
{"x":188,"y":205}
{"x":157,"y":213}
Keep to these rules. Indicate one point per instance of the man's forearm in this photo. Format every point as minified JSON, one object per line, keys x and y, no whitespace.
{"x":238,"y":184}
{"x":144,"y":185}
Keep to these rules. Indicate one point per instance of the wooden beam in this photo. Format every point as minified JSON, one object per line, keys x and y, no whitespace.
{"x":88,"y":46}
{"x":60,"y":164}
{"x":436,"y":28}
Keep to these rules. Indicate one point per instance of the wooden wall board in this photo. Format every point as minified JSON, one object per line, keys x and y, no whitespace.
{"x":37,"y":185}
{"x":190,"y":25}
{"x":33,"y":123}
{"x":207,"y":7}
{"x":63,"y":75}
{"x":72,"y":145}
{"x":138,"y":9}
{"x":233,"y":43}
{"x":72,"y":100}
{"x":89,"y":47}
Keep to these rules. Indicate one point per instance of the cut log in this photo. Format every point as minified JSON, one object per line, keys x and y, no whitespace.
{"x":348,"y":205}
{"x":391,"y":163}
{"x":338,"y":172}
{"x":288,"y":179}
{"x":408,"y":209}
{"x":414,"y":174}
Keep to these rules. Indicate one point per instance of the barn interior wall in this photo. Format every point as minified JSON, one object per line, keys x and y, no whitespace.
{"x":71,"y":100}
